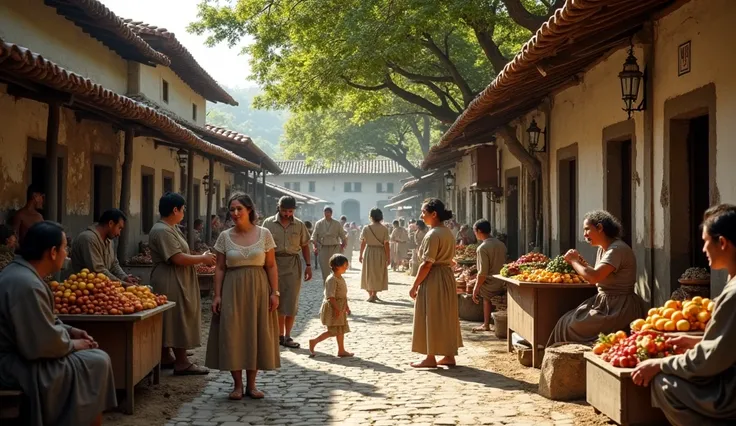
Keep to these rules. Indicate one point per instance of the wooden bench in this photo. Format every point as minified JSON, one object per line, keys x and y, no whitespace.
{"x":10,"y":402}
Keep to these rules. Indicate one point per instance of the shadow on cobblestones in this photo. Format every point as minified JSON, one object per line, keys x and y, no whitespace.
{"x":484,"y":377}
{"x":357,"y":362}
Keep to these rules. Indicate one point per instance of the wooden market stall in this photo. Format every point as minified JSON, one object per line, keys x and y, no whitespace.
{"x":534,"y":309}
{"x":133,"y":342}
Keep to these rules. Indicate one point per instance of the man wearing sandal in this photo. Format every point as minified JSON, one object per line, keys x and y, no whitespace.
{"x":491,"y":256}
{"x":291,"y":237}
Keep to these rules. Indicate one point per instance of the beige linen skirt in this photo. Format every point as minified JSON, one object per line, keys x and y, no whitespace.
{"x":290,"y":283}
{"x":182,"y":323}
{"x":245,"y":335}
{"x":436,"y":319}
{"x":374,"y":275}
{"x":335,"y":325}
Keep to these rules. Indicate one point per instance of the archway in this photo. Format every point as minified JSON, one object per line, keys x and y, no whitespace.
{"x":351,"y":210}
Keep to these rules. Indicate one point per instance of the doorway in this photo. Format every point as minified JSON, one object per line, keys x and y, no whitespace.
{"x":38,"y":178}
{"x":567,"y":217}
{"x":102,"y":190}
{"x":512,"y":215}
{"x":351,"y":210}
{"x":619,"y":169}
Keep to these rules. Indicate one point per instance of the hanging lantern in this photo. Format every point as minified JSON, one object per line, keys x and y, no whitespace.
{"x":206,"y":183}
{"x":631,"y":78}
{"x":183,"y":156}
{"x":534,"y":134}
{"x":449,"y":180}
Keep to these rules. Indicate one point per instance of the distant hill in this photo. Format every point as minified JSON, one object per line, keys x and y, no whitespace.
{"x":263,"y":126}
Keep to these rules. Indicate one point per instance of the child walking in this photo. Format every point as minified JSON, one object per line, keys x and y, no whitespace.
{"x":335,"y":307}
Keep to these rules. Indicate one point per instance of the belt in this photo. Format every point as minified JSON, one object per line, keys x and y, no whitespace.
{"x":285,"y":254}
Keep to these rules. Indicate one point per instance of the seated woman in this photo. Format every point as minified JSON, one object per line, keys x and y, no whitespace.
{"x":699,"y":386}
{"x":67,"y":380}
{"x":616,"y":304}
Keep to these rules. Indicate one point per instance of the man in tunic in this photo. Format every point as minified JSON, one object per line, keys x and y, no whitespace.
{"x":93,"y":248}
{"x":491,"y":254}
{"x":291,"y":237}
{"x":29,"y":214}
{"x":67,"y":380}
{"x":699,"y":386}
{"x":329,"y":238}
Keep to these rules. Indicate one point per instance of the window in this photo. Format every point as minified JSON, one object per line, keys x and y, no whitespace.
{"x":287,"y":185}
{"x":353,"y":187}
{"x":167,"y":181}
{"x":390,"y":187}
{"x":146,"y":201}
{"x":357,"y":187}
{"x":312,"y":186}
{"x":296,"y":186}
{"x":348,"y":187}
{"x":379,"y":187}
{"x":194,"y":112}
{"x":165,"y":91}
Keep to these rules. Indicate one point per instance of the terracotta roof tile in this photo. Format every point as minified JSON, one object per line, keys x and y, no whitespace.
{"x":232,"y":136}
{"x":102,"y":24}
{"x":577,"y":35}
{"x":182,"y":62}
{"x":20,"y":62}
{"x":381,"y":166}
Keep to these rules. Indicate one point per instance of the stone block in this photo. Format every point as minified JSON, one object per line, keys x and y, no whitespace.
{"x":469,"y":310}
{"x":562,"y":377}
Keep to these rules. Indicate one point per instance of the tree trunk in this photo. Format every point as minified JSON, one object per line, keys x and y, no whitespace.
{"x":517,"y":150}
{"x":405,"y":163}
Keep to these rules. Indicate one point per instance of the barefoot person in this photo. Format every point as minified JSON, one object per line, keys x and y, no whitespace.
{"x":329,"y":238}
{"x":436,"y":320}
{"x":93,"y":248}
{"x":699,"y":386}
{"x":375,"y":255}
{"x":29,"y":214}
{"x":175,"y":276}
{"x":399,"y":239}
{"x":245,"y":323}
{"x":335,"y":307}
{"x":66,"y":380}
{"x":491,"y":254}
{"x":616,"y":304}
{"x":291,"y":237}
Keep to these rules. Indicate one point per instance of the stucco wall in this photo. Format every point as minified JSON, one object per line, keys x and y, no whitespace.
{"x":38,"y":27}
{"x":331,"y":188}
{"x":181,"y":96}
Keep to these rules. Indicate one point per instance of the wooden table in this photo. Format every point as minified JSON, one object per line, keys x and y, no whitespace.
{"x":133,"y":343}
{"x":534,"y":309}
{"x":610,"y":391}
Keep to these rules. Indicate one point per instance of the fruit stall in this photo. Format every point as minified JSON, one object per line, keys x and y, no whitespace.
{"x":141,"y":264}
{"x":206,"y":277}
{"x":539,"y":292}
{"x":126,"y":322}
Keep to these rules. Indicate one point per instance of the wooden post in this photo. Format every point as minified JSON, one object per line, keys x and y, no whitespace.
{"x":255,"y":185}
{"x":263,"y":188}
{"x":190,"y":199}
{"x":125,"y":184}
{"x":208,"y":221}
{"x":52,"y":162}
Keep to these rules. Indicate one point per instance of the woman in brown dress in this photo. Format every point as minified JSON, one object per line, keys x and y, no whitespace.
{"x":174,"y":275}
{"x":375,"y":250}
{"x":616,"y":304}
{"x":244,"y":333}
{"x":436,"y":320}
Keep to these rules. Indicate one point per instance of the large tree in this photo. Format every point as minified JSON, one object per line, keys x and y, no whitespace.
{"x":434,"y":55}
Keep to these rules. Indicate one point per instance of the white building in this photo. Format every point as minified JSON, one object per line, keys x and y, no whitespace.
{"x":352,"y":187}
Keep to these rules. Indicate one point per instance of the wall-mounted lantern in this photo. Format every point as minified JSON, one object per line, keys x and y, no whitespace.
{"x":535,"y":134}
{"x":206,"y":183}
{"x":631,"y":78}
{"x":449,"y":180}
{"x":183,"y":156}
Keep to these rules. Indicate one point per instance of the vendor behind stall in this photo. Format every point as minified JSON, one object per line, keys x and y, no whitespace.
{"x":491,"y":254}
{"x":93,"y":248}
{"x":616,"y":303}
{"x":66,"y":379}
{"x":699,"y":386}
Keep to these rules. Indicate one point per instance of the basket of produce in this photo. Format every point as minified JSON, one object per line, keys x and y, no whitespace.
{"x":556,"y":271}
{"x":690,"y":315}
{"x":466,"y":255}
{"x":695,"y":276}
{"x":95,"y":294}
{"x":525,"y":263}
{"x":624,"y":351}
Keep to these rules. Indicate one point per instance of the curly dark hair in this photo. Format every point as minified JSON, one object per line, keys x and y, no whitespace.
{"x":611,"y":225}
{"x":247,"y":202}
{"x":435,"y":205}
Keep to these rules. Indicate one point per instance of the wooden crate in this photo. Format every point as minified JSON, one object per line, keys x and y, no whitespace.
{"x":133,"y":343}
{"x":611,"y":391}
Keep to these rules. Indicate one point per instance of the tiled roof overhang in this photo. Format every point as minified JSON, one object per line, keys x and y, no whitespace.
{"x":357,"y":167}
{"x":17,"y":62}
{"x":573,"y":39}
{"x":182,"y":62}
{"x":243,"y":141}
{"x":102,"y":24}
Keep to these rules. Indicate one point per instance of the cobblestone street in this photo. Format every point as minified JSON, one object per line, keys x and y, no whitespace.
{"x":377,"y":386}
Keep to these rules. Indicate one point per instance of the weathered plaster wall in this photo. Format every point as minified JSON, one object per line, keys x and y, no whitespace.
{"x":181,"y":96}
{"x":38,"y":27}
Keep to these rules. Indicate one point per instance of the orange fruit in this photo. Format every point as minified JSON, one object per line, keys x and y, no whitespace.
{"x":646,"y":327}
{"x":636,"y":325}
{"x":667,"y":313}
{"x":672,"y":304}
{"x":697,"y":299}
{"x":670,"y":326}
{"x":677,"y":316}
{"x":703,"y":316}
{"x":652,"y":311}
{"x":659,"y":325}
{"x":683,"y":325}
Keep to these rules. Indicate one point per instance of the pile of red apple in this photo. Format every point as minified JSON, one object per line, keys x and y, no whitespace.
{"x":628,"y":352}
